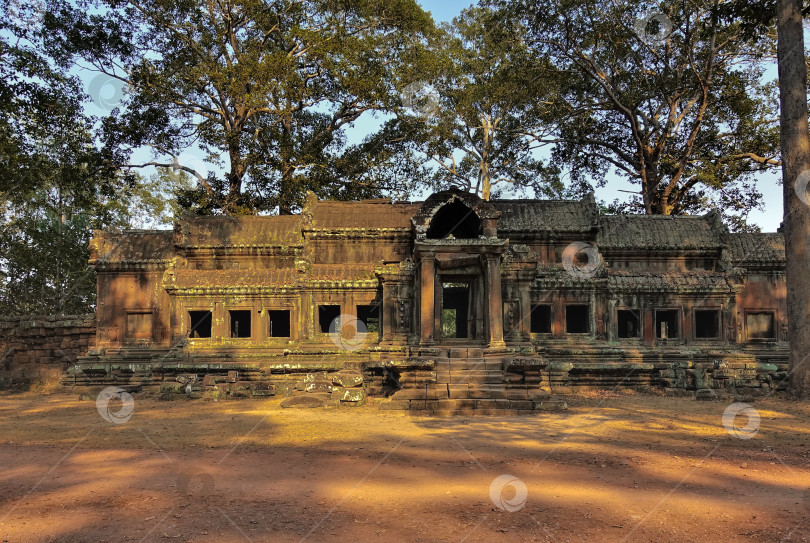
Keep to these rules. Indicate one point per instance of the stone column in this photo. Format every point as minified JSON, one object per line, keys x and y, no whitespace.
{"x":437,"y":308}
{"x":495,"y":301}
{"x":388,"y":312}
{"x":525,"y":310}
{"x":426,"y":299}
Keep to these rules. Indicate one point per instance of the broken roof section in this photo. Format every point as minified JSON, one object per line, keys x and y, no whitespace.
{"x":546,"y":215}
{"x":745,"y":248}
{"x":246,"y":231}
{"x":379,"y":214}
{"x":519,"y":219}
{"x":640,"y":232}
{"x":692,"y":281}
{"x":136,"y":246}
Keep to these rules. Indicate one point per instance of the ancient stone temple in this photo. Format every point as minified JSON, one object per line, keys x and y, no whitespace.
{"x":451,"y":304}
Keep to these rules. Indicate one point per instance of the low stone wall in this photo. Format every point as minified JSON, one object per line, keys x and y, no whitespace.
{"x":36,"y":350}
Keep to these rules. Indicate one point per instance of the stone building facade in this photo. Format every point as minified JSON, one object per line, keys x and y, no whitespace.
{"x":452,"y":303}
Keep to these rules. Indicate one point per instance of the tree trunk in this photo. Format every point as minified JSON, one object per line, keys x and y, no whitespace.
{"x":486,"y":177}
{"x":795,"y":160}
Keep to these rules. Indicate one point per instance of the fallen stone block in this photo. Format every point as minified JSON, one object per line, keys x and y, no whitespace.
{"x":353,"y":395}
{"x":705,"y":394}
{"x":551,"y":405}
{"x":347,"y":380}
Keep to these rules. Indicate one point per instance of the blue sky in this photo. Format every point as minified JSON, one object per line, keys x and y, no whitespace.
{"x":444,"y":10}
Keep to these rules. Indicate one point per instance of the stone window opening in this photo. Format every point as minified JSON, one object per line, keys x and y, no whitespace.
{"x":666,"y":324}
{"x":240,"y":323}
{"x":760,"y":325}
{"x":139,"y":325}
{"x":577,"y":319}
{"x":329,"y":319}
{"x":199,"y":324}
{"x":278,"y":323}
{"x":628,"y":323}
{"x":707,"y":323}
{"x":454,"y":220}
{"x":369,"y":315}
{"x":540,"y":319}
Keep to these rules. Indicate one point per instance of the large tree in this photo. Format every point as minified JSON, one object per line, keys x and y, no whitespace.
{"x":666,"y":94}
{"x":795,"y":177}
{"x":264,"y":89}
{"x":480,"y":116}
{"x":56,"y":185}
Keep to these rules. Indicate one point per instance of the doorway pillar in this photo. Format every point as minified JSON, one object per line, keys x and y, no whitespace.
{"x":427,"y":293}
{"x":524,"y":289}
{"x":495,"y":300}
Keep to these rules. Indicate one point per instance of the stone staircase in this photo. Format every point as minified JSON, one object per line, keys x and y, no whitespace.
{"x":473,"y":382}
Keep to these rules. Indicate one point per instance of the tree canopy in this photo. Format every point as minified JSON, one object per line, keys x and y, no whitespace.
{"x":263,"y":89}
{"x":668,"y":95}
{"x":480,"y":116}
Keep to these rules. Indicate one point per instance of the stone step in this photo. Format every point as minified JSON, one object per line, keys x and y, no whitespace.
{"x":476,"y":377}
{"x":470,"y":364}
{"x":430,"y":393}
{"x":471,"y":413}
{"x":474,"y":391}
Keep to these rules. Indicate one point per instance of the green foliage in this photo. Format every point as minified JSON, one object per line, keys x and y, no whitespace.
{"x":153,"y":201}
{"x":56,"y":186}
{"x":476,"y":115}
{"x":449,"y":323}
{"x":668,"y":95}
{"x":264,"y":88}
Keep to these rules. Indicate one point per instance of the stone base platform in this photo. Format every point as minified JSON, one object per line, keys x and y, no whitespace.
{"x":436,"y":381}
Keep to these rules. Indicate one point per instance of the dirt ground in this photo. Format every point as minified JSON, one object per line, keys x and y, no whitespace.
{"x":611,"y":468}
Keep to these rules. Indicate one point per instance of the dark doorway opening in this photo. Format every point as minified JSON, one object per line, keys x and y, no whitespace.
{"x":666,"y":324}
{"x":240,"y":323}
{"x":455,"y":310}
{"x":279,"y":320}
{"x":629,"y":323}
{"x":329,"y":319}
{"x":200,"y":324}
{"x":707,"y":323}
{"x":577,"y":319}
{"x":541,"y":319}
{"x":454,"y":219}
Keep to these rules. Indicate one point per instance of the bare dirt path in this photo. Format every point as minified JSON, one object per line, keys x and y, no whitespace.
{"x":631,"y":468}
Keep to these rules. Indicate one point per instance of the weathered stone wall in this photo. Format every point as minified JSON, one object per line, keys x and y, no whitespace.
{"x":36,"y":350}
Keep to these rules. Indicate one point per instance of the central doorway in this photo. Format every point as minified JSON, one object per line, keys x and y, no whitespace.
{"x":455,"y":310}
